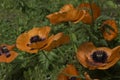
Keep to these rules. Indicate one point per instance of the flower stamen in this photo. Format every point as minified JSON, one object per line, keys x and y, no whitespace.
{"x":5,"y":51}
{"x":99,"y":56}
{"x":36,"y":39}
{"x":73,"y":78}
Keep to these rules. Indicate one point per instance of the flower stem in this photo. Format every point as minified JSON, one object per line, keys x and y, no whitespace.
{"x":90,"y":2}
{"x":44,"y":53}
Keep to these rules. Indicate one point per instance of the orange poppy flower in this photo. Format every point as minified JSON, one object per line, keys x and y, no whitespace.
{"x":69,"y":73}
{"x":37,"y":39}
{"x":7,"y":54}
{"x":69,"y":13}
{"x":97,"y":58}
{"x":32,"y":36}
{"x":109,"y":29}
{"x":88,"y":16}
{"x":66,"y":13}
{"x":52,"y":42}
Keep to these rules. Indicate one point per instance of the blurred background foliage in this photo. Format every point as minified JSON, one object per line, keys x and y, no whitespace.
{"x":17,"y":16}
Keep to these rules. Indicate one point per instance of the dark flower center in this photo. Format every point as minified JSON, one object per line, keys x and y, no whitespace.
{"x":73,"y":78}
{"x":99,"y":56}
{"x":36,"y":39}
{"x":4,"y":50}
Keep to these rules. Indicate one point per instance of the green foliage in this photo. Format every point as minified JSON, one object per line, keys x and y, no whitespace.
{"x":17,"y":16}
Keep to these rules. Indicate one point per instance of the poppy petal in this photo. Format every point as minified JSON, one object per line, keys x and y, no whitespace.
{"x":10,"y":47}
{"x":57,"y":18}
{"x":66,"y":8}
{"x":115,"y":53}
{"x":82,"y":14}
{"x":83,"y":50}
{"x":33,"y":31}
{"x":12,"y":56}
{"x":62,"y":77}
{"x":112,"y":33}
{"x":22,"y":42}
{"x":42,"y":32}
{"x":88,"y":17}
{"x":56,"y":41}
{"x":70,"y":69}
{"x":41,"y":44}
{"x":66,"y":13}
{"x":62,"y":15}
{"x":109,"y":64}
{"x":68,"y":72}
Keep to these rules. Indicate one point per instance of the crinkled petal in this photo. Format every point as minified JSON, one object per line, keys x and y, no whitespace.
{"x":88,"y":17}
{"x":66,"y":13}
{"x":57,"y":40}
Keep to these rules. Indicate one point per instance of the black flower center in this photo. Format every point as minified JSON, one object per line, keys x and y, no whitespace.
{"x":4,"y":50}
{"x":73,"y":78}
{"x":99,"y":56}
{"x":36,"y":39}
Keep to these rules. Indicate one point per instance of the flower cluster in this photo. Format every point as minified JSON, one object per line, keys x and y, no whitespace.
{"x":90,"y":56}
